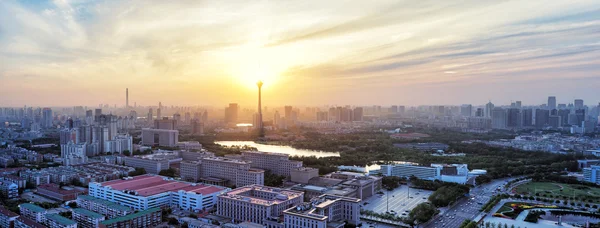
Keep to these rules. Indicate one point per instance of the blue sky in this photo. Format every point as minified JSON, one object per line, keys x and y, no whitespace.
{"x":308,"y":52}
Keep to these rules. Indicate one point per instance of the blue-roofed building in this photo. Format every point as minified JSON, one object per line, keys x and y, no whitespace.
{"x":33,"y":212}
{"x":57,"y":221}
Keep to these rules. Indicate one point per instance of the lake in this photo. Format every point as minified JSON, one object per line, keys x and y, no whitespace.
{"x":279,"y":149}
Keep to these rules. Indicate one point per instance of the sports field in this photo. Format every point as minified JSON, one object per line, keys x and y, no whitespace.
{"x":548,"y":189}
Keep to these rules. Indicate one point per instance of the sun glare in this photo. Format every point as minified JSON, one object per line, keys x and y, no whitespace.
{"x":254,"y":63}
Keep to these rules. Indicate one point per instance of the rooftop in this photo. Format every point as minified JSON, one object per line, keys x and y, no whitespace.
{"x":30,"y":222}
{"x":60,"y":220}
{"x":148,"y":185}
{"x":32,"y":207}
{"x":130,"y":216}
{"x":105,"y":202}
{"x":87,"y":213}
{"x":247,"y":194}
{"x":7,"y":212}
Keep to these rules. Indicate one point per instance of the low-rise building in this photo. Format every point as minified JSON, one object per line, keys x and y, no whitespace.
{"x":257,"y":203}
{"x":102,"y":206}
{"x":277,"y":163}
{"x":7,"y":217}
{"x":86,"y":218}
{"x":23,"y":222}
{"x":148,"y":191}
{"x":57,"y":221}
{"x":146,"y":218}
{"x":33,"y":212}
{"x":151,"y":165}
{"x":303,"y":174}
{"x":324,"y":211}
{"x":54,"y":191}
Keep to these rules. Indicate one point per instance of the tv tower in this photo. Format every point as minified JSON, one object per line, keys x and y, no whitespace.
{"x":260,"y":120}
{"x":126,"y":97}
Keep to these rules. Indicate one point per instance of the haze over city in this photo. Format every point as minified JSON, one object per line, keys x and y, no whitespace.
{"x":64,"y":53}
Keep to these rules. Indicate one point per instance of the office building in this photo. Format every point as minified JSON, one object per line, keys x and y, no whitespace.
{"x":101,"y":206}
{"x":257,"y":204}
{"x":33,"y":212}
{"x":592,"y":174}
{"x":357,"y":114}
{"x":86,"y":218}
{"x":151,"y":165}
{"x":277,"y":163}
{"x":527,"y":117}
{"x":303,"y":174}
{"x":148,"y":191}
{"x":165,"y":124}
{"x":224,"y":171}
{"x":513,"y":118}
{"x":578,"y":104}
{"x":407,"y":170}
{"x":324,"y":211}
{"x":7,"y":218}
{"x":147,"y":218}
{"x":159,"y":137}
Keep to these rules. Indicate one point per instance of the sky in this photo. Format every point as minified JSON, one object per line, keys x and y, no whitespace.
{"x":83,"y":52}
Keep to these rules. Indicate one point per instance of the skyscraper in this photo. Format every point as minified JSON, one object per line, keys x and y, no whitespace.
{"x":150,"y":116}
{"x":231,"y":113}
{"x":542,"y":117}
{"x":288,"y":112}
{"x":47,"y":117}
{"x":489,"y":107}
{"x":578,"y":104}
{"x":513,"y":118}
{"x":551,"y":102}
{"x":498,"y":118}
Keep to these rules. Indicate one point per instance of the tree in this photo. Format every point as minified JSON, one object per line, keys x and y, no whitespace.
{"x":126,"y":153}
{"x":273,"y":180}
{"x":192,"y":215}
{"x":390,"y":182}
{"x":173,"y":221}
{"x":72,"y":204}
{"x":170,"y":172}
{"x":423,"y":212}
{"x":137,"y":172}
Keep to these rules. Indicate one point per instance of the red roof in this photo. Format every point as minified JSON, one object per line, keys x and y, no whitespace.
{"x":147,"y":185}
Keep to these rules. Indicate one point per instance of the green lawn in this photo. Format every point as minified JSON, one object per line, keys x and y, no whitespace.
{"x":558,"y":190}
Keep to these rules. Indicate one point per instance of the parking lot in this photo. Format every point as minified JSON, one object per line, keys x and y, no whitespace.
{"x":399,"y":200}
{"x":35,"y":198}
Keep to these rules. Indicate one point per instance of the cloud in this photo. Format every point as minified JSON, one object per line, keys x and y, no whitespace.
{"x":382,"y":46}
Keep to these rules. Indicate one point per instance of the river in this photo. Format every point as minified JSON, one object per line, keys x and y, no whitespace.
{"x":279,"y":149}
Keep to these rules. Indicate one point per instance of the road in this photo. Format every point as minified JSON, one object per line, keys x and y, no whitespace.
{"x":467,"y":208}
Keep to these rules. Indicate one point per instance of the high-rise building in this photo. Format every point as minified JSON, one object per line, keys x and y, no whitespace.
{"x":554,"y":121}
{"x":358,"y":114}
{"x":551,"y":102}
{"x":466,"y":110}
{"x":499,"y":118}
{"x":288,"y":112}
{"x":158,"y":113}
{"x":578,"y":104}
{"x":527,"y":117}
{"x":514,"y":118}
{"x":580,"y":115}
{"x":564,"y":116}
{"x":47,"y":118}
{"x":489,"y":107}
{"x":479,"y":112}
{"x":518,"y":104}
{"x":165,"y":124}
{"x":150,"y":116}
{"x":541,"y":117}
{"x":231,"y":113}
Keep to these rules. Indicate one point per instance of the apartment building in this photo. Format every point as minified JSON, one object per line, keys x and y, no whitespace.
{"x":57,"y":221}
{"x":86,"y":218}
{"x":23,"y":222}
{"x":33,"y":212}
{"x":257,"y":203}
{"x":149,"y":191}
{"x":102,"y":206}
{"x":7,"y":217}
{"x":146,"y":218}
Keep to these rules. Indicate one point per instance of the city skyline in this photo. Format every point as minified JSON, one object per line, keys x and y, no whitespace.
{"x":386,"y":53}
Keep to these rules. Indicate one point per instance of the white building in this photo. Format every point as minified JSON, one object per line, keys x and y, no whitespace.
{"x":408,"y":170}
{"x":150,"y":191}
{"x":324,"y":211}
{"x":592,"y":174}
{"x":73,"y":154}
{"x":119,"y":144}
